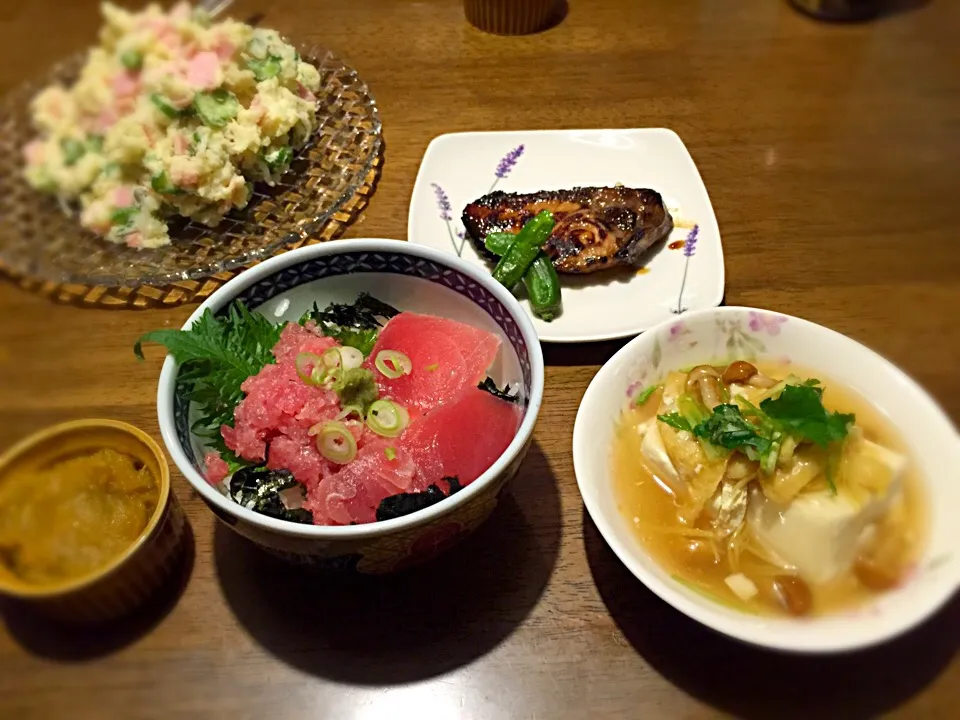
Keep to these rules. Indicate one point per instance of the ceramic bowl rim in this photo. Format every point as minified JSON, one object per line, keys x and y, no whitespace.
{"x":163,"y":498}
{"x":709,"y":614}
{"x":230,"y":290}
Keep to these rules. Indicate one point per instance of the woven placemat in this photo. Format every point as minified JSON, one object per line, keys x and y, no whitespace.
{"x":189,"y":291}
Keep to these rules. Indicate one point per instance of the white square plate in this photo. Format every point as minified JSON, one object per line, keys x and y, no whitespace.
{"x":460,"y":167}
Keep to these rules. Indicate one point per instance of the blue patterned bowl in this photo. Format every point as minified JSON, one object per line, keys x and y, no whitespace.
{"x":409,"y":277}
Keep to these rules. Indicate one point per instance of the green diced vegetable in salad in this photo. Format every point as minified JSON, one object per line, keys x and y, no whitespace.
{"x":278,"y":158}
{"x":266,"y":68}
{"x":165,"y":106}
{"x":73,"y":150}
{"x":216,"y":108}
{"x":161,"y":184}
{"x":124,"y":216}
{"x":131,"y":60}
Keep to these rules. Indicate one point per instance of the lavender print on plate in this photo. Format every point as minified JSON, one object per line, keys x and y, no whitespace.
{"x":462,"y":167}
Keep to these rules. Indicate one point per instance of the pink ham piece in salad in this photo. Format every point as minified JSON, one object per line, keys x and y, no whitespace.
{"x":203,"y":71}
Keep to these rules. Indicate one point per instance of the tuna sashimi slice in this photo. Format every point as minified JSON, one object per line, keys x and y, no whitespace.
{"x":461,"y":438}
{"x":447,"y":356}
{"x":353,"y":493}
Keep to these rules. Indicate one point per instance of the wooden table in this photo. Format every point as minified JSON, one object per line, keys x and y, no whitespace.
{"x":832,"y":158}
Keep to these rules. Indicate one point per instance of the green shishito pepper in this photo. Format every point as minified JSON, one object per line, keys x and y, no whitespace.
{"x":523,"y":252}
{"x":540,"y":279}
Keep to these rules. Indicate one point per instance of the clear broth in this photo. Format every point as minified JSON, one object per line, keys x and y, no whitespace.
{"x":702,"y":564}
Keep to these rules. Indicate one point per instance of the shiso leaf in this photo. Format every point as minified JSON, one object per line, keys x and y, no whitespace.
{"x":216,"y":355}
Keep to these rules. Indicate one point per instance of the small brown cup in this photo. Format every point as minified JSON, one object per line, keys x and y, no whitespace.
{"x":510,"y":17}
{"x":130,"y":579}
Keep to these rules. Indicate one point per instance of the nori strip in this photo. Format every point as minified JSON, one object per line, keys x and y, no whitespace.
{"x":259,"y":489}
{"x":491,"y":387}
{"x":405,"y":503}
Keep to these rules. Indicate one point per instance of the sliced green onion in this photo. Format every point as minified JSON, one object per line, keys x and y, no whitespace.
{"x":386,"y":418}
{"x":331,"y":377}
{"x":645,"y":395}
{"x":310,"y":368}
{"x":431,"y":367}
{"x":390,"y":452}
{"x":335,"y":441}
{"x":331,"y":358}
{"x":352,"y":358}
{"x":344,"y":357}
{"x":768,"y":463}
{"x":393,"y":364}
{"x":350,"y":410}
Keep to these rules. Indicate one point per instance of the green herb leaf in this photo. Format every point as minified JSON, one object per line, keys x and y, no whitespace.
{"x":645,"y":395}
{"x":216,"y":355}
{"x":676,"y":420}
{"x":727,"y":428}
{"x":799,"y":410}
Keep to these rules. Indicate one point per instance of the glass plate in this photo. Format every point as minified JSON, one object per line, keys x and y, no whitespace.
{"x":41,"y":239}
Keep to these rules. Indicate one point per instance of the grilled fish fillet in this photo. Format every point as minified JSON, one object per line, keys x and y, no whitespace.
{"x":596,"y":227}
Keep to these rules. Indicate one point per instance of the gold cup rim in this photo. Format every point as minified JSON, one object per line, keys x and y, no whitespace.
{"x":9,"y":458}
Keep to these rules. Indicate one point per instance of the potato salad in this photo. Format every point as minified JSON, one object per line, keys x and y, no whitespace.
{"x":172,"y":114}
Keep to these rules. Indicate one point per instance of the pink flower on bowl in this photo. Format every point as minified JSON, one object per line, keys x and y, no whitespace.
{"x":770,"y":324}
{"x":677,"y":330}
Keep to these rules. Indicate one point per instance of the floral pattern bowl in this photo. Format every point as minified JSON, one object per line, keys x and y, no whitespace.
{"x":411,"y":278}
{"x":728,"y":333}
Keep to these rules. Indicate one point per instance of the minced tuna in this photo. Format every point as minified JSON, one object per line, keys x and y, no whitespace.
{"x":455,"y":428}
{"x":279,"y":409}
